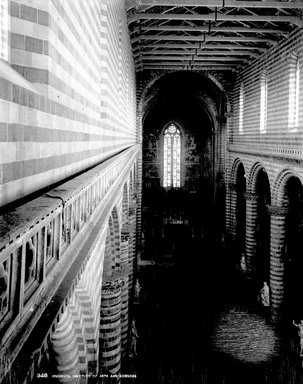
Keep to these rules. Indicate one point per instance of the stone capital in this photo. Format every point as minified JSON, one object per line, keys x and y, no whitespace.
{"x":251,"y":196}
{"x":275,"y":210}
{"x":111,"y":286}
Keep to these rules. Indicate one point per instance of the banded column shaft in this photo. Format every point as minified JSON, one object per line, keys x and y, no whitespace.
{"x":277,"y":250}
{"x":231,"y":202}
{"x":78,"y":319}
{"x":138,"y":222}
{"x":64,"y":343}
{"x":132,"y":244}
{"x":91,"y":330}
{"x":110,"y":327}
{"x":125,"y":290}
{"x":250,"y":235}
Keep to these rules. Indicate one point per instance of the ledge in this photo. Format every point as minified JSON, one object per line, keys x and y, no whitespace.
{"x":10,"y":74}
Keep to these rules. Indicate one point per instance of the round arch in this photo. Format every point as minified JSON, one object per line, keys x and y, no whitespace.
{"x":235,"y":170}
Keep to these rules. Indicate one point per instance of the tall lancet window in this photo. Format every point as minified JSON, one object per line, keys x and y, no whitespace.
{"x":172,"y":156}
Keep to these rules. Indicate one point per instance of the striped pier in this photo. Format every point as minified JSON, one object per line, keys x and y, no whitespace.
{"x":250,"y":235}
{"x":110,"y":327}
{"x":125,"y":289}
{"x":277,"y":250}
{"x":64,"y":343}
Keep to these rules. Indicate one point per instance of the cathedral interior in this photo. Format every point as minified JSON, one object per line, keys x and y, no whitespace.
{"x":151,"y":191}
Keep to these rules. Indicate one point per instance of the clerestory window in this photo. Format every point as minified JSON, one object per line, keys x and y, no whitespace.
{"x":241,"y":108}
{"x":294,"y":94}
{"x":263,"y":103}
{"x":172,"y":157}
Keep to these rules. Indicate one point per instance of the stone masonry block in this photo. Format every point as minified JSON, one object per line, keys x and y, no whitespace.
{"x":35,"y":75}
{"x":29,"y":167}
{"x":14,"y":9}
{"x":17,"y":41}
{"x":24,"y":97}
{"x":16,"y":170}
{"x":3,"y":132}
{"x":16,"y":94}
{"x":7,"y":172}
{"x":43,"y":18}
{"x":33,"y":45}
{"x":16,"y":133}
{"x":29,"y":133}
{"x":29,"y":13}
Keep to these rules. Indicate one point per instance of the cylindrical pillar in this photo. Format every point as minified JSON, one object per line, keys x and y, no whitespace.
{"x":132,"y":244}
{"x":231,"y":202}
{"x":125,"y":290}
{"x":64,"y":343}
{"x":277,"y":251}
{"x":250,"y":235}
{"x":110,"y":327}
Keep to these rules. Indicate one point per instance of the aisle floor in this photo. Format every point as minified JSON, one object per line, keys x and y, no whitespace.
{"x":199,"y":322}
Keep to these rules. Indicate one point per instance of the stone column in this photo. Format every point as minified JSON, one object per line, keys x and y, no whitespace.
{"x":231,"y":202}
{"x":66,"y":353}
{"x":277,"y":251}
{"x":110,"y":327}
{"x":132,"y":244}
{"x":250,"y":234}
{"x":125,"y":289}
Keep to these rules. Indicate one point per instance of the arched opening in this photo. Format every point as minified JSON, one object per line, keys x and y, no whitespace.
{"x":240,"y":214}
{"x":180,"y":160}
{"x":172,"y":156}
{"x":294,"y":246}
{"x":263,"y":227}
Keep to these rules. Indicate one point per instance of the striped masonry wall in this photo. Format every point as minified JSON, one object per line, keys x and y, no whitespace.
{"x":277,"y":64}
{"x":76,"y":104}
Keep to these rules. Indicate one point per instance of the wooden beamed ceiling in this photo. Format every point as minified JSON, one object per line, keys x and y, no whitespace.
{"x":210,"y":35}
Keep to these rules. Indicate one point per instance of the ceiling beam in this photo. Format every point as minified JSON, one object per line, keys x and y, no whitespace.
{"x":193,"y":58}
{"x":210,"y":28}
{"x":190,"y":63}
{"x":215,"y":16}
{"x":188,"y":68}
{"x":201,"y":46}
{"x":295,"y":4}
{"x":202,"y":38}
{"x":196,"y":52}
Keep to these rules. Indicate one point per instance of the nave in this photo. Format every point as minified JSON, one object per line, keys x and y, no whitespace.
{"x":199,"y":321}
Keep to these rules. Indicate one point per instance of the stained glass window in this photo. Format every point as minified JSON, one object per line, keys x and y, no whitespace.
{"x":172,"y":157}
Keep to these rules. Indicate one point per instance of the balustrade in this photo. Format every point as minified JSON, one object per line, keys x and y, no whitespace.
{"x":37,"y":236}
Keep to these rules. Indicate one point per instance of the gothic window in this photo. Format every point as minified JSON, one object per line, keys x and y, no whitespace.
{"x":172,"y":156}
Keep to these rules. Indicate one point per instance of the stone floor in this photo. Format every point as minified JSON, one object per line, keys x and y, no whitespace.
{"x":199,"y":322}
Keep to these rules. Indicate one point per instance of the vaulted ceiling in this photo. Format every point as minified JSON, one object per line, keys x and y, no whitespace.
{"x":216,"y":35}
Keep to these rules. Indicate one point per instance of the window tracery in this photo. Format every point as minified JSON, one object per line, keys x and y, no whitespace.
{"x":172,"y":157}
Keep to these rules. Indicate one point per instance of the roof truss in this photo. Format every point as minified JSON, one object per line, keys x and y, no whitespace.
{"x":207,"y":33}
